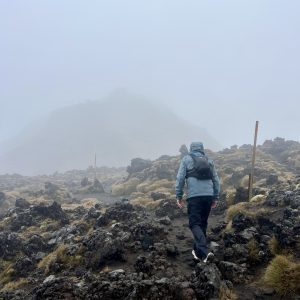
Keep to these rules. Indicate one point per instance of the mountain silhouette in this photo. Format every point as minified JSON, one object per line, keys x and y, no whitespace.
{"x":119,"y":128}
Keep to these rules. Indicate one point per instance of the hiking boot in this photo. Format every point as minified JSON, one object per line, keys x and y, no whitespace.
{"x":209,"y":257}
{"x":195,"y":256}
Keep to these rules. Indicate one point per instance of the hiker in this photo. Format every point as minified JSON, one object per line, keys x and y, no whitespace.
{"x":203,"y":188}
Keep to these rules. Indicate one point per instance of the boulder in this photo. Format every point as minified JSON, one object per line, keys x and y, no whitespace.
{"x":143,"y":265}
{"x":52,"y":211}
{"x":57,"y":288}
{"x":233,"y":272}
{"x":35,"y":244}
{"x":147,"y":233}
{"x":2,"y":198}
{"x":51,"y":188}
{"x":116,"y":274}
{"x":248,"y":234}
{"x":164,"y":221}
{"x":23,"y":266}
{"x":206,"y":281}
{"x":158,"y":195}
{"x":168,"y":208}
{"x":85,"y":182}
{"x":272,"y":179}
{"x":22,"y":203}
{"x":241,"y":222}
{"x":21,"y":219}
{"x":93,"y":213}
{"x":101,"y":247}
{"x":96,"y":188}
{"x":10,"y":245}
{"x":138,"y":165}
{"x":241,"y":195}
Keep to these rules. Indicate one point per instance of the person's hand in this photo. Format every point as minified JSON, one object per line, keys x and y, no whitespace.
{"x":214,"y":203}
{"x":180,"y":203}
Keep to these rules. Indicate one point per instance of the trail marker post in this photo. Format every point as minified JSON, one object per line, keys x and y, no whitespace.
{"x":251,"y":177}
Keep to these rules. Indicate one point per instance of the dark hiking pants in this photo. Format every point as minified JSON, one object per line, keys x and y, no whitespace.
{"x":198,"y":212}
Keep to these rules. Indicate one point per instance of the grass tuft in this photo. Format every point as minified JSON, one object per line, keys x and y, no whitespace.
{"x":126,"y":188}
{"x":233,"y":210}
{"x":15,"y":285}
{"x":227,"y":294}
{"x":283,"y":275}
{"x":59,"y":255}
{"x":274,"y":246}
{"x":253,"y":250}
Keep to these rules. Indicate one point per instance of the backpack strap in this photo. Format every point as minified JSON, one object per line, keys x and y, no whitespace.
{"x":192,"y":172}
{"x":201,"y":174}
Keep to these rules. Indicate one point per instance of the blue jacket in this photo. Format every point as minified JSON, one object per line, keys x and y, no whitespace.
{"x":196,"y":187}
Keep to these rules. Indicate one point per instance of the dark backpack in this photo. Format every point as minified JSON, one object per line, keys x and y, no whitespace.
{"x":202,"y":169}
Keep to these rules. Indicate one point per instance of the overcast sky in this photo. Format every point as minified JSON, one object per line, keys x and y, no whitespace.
{"x":219,"y":64}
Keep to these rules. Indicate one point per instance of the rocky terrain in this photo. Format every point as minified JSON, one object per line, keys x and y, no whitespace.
{"x":69,"y":188}
{"x":68,"y":236}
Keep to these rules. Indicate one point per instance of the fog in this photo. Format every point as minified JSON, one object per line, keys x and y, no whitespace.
{"x":221,"y":65}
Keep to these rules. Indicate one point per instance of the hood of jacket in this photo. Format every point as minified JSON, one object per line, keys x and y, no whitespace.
{"x":197,"y":147}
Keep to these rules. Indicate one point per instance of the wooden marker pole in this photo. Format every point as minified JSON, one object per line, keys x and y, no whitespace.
{"x":95,"y":165}
{"x":253,"y":162}
{"x":249,"y":185}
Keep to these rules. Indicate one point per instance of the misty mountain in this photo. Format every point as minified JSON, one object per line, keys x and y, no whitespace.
{"x":118,"y":129}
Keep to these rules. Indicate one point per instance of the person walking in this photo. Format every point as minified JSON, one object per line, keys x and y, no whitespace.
{"x":203,"y":189}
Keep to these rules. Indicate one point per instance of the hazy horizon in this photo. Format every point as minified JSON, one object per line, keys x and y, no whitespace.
{"x":219,"y":65}
{"x":39,"y":119}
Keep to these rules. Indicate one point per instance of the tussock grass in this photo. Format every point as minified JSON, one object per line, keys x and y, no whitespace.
{"x":143,"y":201}
{"x":143,"y":187}
{"x":228,"y":227}
{"x":258,"y":199}
{"x":6,"y":275}
{"x":245,"y":181}
{"x":4,"y":223}
{"x":227,"y":294}
{"x":154,"y":186}
{"x":87,"y":203}
{"x":230,"y":194}
{"x":126,"y":188}
{"x":166,"y":191}
{"x":106,"y":269}
{"x":82,"y":223}
{"x":15,"y":285}
{"x":12,"y":195}
{"x":253,"y":250}
{"x":274,"y":246}
{"x":51,"y":258}
{"x":233,"y":210}
{"x":136,"y":195}
{"x":49,"y":222}
{"x":27,"y":232}
{"x":149,"y":203}
{"x":153,"y":204}
{"x":245,"y":208}
{"x":283,"y":275}
{"x":60,"y":256}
